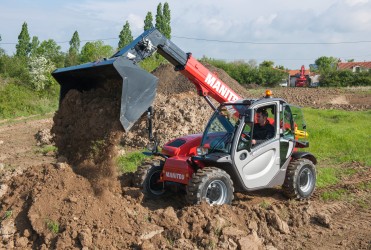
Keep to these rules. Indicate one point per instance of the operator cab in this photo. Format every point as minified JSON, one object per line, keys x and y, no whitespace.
{"x":254,"y":153}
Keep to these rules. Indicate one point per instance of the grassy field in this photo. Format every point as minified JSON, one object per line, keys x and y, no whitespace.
{"x":338,"y":136}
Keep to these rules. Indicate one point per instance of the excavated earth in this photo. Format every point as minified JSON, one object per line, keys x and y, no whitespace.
{"x":76,"y":199}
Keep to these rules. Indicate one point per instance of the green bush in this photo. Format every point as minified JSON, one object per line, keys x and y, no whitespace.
{"x":244,"y":73}
{"x":343,"y":78}
{"x":18,"y":100}
{"x":151,"y":63}
{"x":16,"y":68}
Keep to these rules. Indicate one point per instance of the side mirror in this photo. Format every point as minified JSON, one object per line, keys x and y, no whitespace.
{"x":249,"y":116}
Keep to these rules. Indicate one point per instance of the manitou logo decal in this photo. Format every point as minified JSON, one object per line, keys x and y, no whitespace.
{"x":174,"y":175}
{"x":221,"y":88}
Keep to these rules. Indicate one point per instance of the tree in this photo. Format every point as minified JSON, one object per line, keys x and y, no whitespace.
{"x":281,"y":67}
{"x":51,"y":51}
{"x":125,"y":36}
{"x":148,"y":21}
{"x":34,"y":45}
{"x":267,"y":64}
{"x":40,"y":69}
{"x":166,"y":20}
{"x":72,"y":57}
{"x":271,"y":76}
{"x":325,"y":63}
{"x":159,"y":18}
{"x":23,"y":45}
{"x":163,"y":19}
{"x":93,"y":51}
{"x":75,"y":42}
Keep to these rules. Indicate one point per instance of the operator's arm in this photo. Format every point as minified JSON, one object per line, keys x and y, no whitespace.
{"x":262,"y":133}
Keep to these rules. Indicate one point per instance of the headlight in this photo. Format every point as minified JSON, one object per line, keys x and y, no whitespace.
{"x":202,"y":151}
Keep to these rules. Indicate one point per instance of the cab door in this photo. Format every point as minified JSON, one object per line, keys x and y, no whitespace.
{"x":287,"y":136}
{"x":259,"y":164}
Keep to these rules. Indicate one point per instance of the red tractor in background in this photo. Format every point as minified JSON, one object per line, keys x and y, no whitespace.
{"x":212,"y":165}
{"x":302,"y":80}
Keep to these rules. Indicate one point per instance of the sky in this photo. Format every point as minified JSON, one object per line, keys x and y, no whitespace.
{"x":290,"y":33}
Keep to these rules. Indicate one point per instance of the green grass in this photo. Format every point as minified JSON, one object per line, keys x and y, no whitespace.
{"x":53,"y":226}
{"x":46,"y":149}
{"x":365,"y":186}
{"x":265,"y":204}
{"x":7,"y":215}
{"x":130,"y":161}
{"x":328,"y":176}
{"x":338,"y":136}
{"x":334,"y":195}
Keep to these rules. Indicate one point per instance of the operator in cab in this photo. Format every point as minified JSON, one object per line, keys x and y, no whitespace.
{"x":263,"y":130}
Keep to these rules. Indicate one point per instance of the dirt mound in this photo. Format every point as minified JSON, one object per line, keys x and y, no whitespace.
{"x":178,"y":110}
{"x":51,"y":207}
{"x":326,"y":98}
{"x":172,"y":82}
{"x":56,"y":208}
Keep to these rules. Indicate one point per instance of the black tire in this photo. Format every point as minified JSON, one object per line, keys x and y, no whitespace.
{"x":212,"y":185}
{"x":140,"y":174}
{"x":152,"y":188}
{"x":300,"y":179}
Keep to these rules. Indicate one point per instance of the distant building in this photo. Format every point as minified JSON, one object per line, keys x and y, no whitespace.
{"x":355,"y":66}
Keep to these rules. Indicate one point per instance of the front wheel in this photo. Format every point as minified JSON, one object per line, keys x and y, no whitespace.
{"x":300,"y":179}
{"x":152,"y":187}
{"x":212,"y":185}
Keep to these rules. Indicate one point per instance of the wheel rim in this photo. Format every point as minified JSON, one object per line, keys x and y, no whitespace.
{"x":154,"y":185}
{"x":216,"y":192}
{"x":306,"y":180}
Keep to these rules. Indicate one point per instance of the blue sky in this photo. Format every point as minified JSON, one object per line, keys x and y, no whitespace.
{"x":234,"y":24}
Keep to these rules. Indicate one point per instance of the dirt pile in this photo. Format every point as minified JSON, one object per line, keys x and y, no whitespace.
{"x":59,"y":209}
{"x":351,"y":99}
{"x":178,"y":110}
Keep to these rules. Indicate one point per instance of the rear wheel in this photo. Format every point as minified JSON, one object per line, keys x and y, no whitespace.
{"x":212,"y":185}
{"x":300,"y":179}
{"x":152,"y":187}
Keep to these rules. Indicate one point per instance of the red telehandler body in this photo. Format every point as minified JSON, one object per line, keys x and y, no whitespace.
{"x":211,"y":165}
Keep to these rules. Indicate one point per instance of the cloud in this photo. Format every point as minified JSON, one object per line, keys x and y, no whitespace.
{"x":232,"y":20}
{"x":356,"y":2}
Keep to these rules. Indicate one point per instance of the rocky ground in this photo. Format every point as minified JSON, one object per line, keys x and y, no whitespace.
{"x":75,"y":199}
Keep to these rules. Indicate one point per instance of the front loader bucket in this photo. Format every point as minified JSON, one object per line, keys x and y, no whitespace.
{"x":138,"y":90}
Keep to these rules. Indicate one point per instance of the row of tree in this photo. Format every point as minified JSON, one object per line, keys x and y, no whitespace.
{"x":34,"y":60}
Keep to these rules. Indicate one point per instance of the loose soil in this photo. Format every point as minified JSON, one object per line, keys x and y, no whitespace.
{"x":76,"y":199}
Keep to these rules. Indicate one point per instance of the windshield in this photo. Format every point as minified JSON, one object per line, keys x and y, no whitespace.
{"x":219,"y":132}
